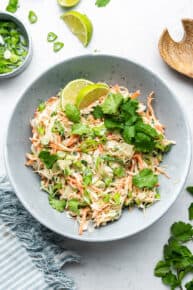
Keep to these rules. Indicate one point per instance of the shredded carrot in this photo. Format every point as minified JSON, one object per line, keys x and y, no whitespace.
{"x":139,"y":159}
{"x":73,"y":139}
{"x":84,"y":212}
{"x":135,"y":94}
{"x":75,"y":183}
{"x":116,"y":88}
{"x":100,"y":147}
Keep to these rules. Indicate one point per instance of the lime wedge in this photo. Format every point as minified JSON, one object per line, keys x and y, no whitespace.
{"x":80,"y":25}
{"x":71,"y":90}
{"x":68,"y":3}
{"x":90,"y":94}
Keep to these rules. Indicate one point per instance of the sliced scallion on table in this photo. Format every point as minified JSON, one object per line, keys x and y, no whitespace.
{"x":12,"y":6}
{"x":13,"y":47}
{"x":51,"y":37}
{"x":58,"y":46}
{"x":32,"y":17}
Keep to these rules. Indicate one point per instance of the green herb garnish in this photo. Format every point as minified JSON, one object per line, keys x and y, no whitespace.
{"x":145,"y":179}
{"x":12,"y":6}
{"x":178,"y":259}
{"x":190,"y":189}
{"x":111,"y":103}
{"x":41,"y":106}
{"x":58,"y":204}
{"x":73,"y":205}
{"x":80,"y":129}
{"x":102,"y":3}
{"x":51,"y":37}
{"x":58,"y":46}
{"x":58,"y":128}
{"x":72,"y":113}
{"x":47,"y":158}
{"x":190,"y":211}
{"x":32,"y":17}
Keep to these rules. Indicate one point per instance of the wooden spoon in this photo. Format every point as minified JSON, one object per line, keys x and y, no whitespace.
{"x":179,"y":55}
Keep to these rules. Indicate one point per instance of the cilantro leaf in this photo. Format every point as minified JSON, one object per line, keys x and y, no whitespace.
{"x":189,"y":285}
{"x":190,"y":211}
{"x":32,"y":17}
{"x":171,"y":280}
{"x":129,"y":134}
{"x":58,"y":204}
{"x":129,"y":111}
{"x":80,"y":129}
{"x":161,"y":269}
{"x":97,"y":112}
{"x":145,"y":179}
{"x":190,"y":189}
{"x":12,"y":6}
{"x":110,"y":123}
{"x":146,"y":129}
{"x":181,"y":231}
{"x":73,"y":205}
{"x":72,"y":112}
{"x":111,"y":103}
{"x":144,"y":143}
{"x":102,"y":3}
{"x":47,"y":158}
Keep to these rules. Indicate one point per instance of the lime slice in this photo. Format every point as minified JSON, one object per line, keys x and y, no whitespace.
{"x":91,"y":93}
{"x":71,"y":90}
{"x":80,"y":25}
{"x":68,"y":3}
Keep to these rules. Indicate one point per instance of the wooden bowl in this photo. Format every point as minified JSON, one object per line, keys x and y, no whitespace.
{"x":179,"y":55}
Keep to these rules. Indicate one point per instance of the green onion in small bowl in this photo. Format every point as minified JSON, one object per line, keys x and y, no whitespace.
{"x":15,"y":46}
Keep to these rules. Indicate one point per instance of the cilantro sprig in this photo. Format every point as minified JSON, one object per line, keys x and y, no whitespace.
{"x":121,"y":115}
{"x":177,"y":258}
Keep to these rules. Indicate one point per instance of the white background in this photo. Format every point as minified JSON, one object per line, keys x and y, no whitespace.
{"x":130,"y":28}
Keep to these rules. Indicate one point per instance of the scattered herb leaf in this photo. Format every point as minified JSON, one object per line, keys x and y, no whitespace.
{"x":145,"y":179}
{"x":58,"y":204}
{"x":102,"y":3}
{"x":72,"y":112}
{"x":47,"y":158}
{"x":190,"y":211}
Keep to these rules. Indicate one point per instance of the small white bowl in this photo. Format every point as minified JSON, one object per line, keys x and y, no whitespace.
{"x":24,"y":31}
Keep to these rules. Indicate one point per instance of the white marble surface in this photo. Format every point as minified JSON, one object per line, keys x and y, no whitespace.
{"x":130,"y":29}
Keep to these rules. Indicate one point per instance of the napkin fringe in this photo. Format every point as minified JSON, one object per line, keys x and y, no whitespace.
{"x":43,"y":246}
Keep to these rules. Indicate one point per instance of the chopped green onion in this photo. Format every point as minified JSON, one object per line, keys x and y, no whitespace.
{"x":13,"y":47}
{"x":51,"y":37}
{"x":58,"y":46}
{"x":32,"y":17}
{"x":12,"y":6}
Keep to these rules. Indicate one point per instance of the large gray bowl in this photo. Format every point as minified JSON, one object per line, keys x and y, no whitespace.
{"x":112,"y":70}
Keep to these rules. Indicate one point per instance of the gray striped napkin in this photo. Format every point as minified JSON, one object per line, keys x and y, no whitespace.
{"x":31,"y":256}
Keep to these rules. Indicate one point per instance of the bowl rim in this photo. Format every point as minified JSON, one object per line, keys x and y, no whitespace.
{"x":75,"y":236}
{"x":28,"y":58}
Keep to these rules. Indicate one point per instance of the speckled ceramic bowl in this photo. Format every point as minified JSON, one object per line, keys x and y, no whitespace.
{"x":24,"y":31}
{"x":112,"y":70}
